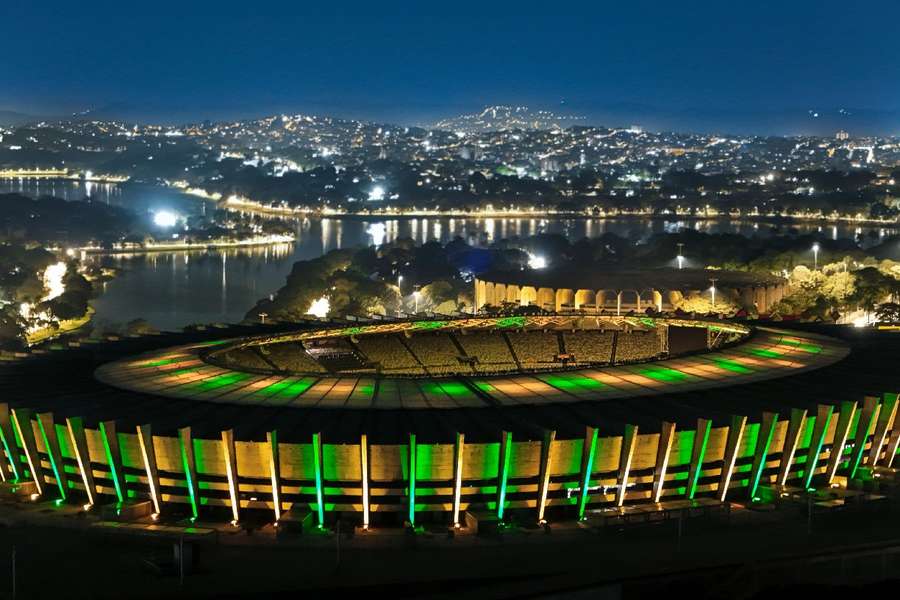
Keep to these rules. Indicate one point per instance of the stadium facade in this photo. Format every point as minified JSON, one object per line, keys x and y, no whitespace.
{"x":179,"y":429}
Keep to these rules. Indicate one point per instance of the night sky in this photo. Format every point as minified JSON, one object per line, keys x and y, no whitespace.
{"x":739,"y":65}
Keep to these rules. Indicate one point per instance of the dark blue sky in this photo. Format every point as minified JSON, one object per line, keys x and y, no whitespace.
{"x":687,"y":64}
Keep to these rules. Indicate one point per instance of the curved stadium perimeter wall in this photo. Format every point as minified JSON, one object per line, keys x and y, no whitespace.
{"x":539,"y":478}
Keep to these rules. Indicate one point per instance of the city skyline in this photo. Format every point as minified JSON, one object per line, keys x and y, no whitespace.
{"x":762,"y":69}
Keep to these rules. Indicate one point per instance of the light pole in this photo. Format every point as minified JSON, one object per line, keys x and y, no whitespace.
{"x":815,"y":250}
{"x":712,"y":290}
{"x":680,"y":256}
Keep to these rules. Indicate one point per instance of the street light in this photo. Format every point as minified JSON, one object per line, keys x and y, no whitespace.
{"x":815,"y":250}
{"x":712,"y":289}
{"x":680,"y":256}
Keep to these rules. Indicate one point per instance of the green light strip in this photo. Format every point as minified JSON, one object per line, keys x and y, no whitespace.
{"x":412,"y":479}
{"x":814,"y":457}
{"x":754,"y":484}
{"x":59,"y":480}
{"x":317,"y":464}
{"x":504,"y":473}
{"x":187,"y":472}
{"x":12,"y":462}
{"x":586,"y":480}
{"x":112,"y":463}
{"x":692,"y":485}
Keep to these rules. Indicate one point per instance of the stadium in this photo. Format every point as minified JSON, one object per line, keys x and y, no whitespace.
{"x":465,"y":423}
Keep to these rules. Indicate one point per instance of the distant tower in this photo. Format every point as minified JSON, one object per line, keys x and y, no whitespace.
{"x":842,"y":136}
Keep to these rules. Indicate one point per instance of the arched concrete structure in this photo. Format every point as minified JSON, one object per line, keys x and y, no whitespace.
{"x":625,"y":291}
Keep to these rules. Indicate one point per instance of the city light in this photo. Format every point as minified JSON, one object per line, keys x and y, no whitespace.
{"x":376,"y":194}
{"x":815,"y":249}
{"x":165,"y":219}
{"x":536,"y":262}
{"x":319,"y":307}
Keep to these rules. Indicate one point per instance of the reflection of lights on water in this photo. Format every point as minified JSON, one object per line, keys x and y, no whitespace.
{"x":165,"y":218}
{"x":377,"y":232}
{"x":536,"y":262}
{"x":320,"y":307}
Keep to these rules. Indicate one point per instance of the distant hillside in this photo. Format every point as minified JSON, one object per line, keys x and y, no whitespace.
{"x":504,"y":118}
{"x":11,"y":118}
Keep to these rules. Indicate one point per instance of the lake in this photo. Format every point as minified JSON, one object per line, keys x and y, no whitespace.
{"x":174,"y":289}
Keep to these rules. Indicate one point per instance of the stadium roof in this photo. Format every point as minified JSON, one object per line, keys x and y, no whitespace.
{"x":62,"y":382}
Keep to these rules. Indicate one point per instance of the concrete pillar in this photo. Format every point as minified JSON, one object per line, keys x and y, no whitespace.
{"x":795,"y":426}
{"x":148,"y":452}
{"x":761,"y":453}
{"x":458,"y":450}
{"x":735,"y":433}
{"x":544,"y":475}
{"x":863,"y":428}
{"x":629,"y":440}
{"x":839,"y":442}
{"x":190,"y":468}
{"x":823,"y":421}
{"x":698,"y":454}
{"x":21,"y":418}
{"x":78,"y":439}
{"x":886,"y":416}
{"x":231,"y":472}
{"x":11,"y":468}
{"x":663,"y":449}
{"x":114,"y":458}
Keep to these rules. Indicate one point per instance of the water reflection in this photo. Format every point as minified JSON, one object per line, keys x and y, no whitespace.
{"x":172,"y":289}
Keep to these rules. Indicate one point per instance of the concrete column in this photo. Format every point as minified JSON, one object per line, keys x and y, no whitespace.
{"x":863,"y":428}
{"x":761,"y":453}
{"x":275,"y":472}
{"x":458,"y":475}
{"x":231,"y":472}
{"x":629,"y":440}
{"x":795,"y":426}
{"x":190,"y":468}
{"x":114,"y":458}
{"x":698,"y":454}
{"x":78,"y":439}
{"x":11,"y":468}
{"x":544,"y":475}
{"x":589,"y":449}
{"x":886,"y":416}
{"x":364,"y":476}
{"x":735,"y":433}
{"x":823,"y":421}
{"x":21,"y":418}
{"x":663,"y":449}
{"x":839,"y":442}
{"x":145,"y":437}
